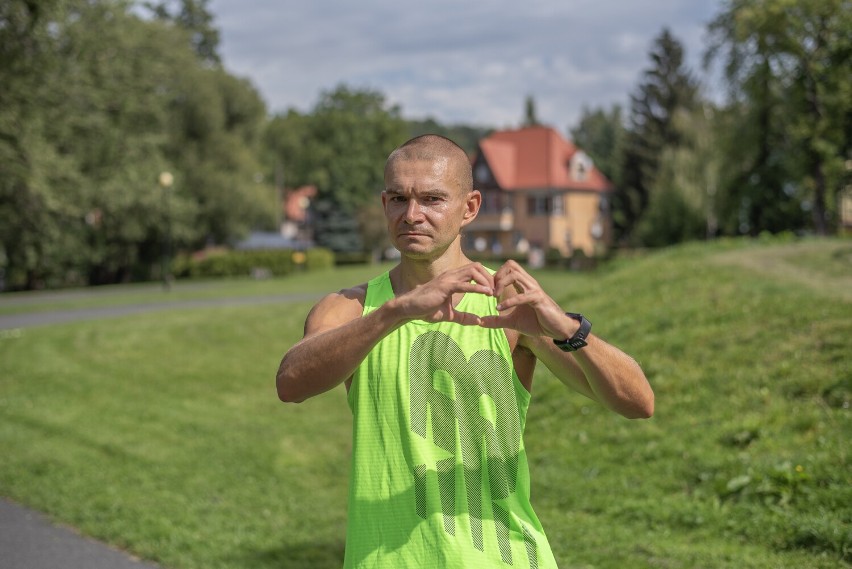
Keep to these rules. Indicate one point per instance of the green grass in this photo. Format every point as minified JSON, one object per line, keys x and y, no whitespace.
{"x":161,"y":433}
{"x":154,"y":293}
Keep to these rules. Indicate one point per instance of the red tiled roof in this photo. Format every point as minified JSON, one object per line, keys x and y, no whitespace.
{"x":537,"y":157}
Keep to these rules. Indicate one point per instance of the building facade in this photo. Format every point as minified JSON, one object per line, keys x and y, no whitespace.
{"x":540,"y":192}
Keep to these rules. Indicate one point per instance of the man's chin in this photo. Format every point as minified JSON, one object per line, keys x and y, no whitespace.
{"x":420,"y":253}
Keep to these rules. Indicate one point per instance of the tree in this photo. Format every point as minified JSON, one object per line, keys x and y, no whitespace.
{"x":195,"y":17}
{"x":667,"y":86}
{"x":96,"y":102}
{"x":466,"y":136}
{"x":684,"y":204}
{"x":530,"y":118}
{"x":341,"y":148}
{"x":789,"y":73}
{"x":601,"y":134}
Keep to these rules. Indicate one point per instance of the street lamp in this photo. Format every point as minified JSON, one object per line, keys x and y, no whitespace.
{"x":166,"y":180}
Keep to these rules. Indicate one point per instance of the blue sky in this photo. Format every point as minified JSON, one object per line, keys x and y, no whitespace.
{"x":470,"y":62}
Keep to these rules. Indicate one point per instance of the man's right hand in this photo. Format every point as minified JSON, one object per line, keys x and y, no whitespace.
{"x":433,"y":301}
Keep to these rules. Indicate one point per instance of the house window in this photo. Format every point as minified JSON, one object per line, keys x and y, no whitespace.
{"x":491,"y":201}
{"x":558,"y":204}
{"x":545,"y":205}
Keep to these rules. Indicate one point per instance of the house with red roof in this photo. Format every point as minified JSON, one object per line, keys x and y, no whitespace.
{"x":539,"y":192}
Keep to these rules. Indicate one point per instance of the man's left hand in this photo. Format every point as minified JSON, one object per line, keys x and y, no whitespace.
{"x":525,"y":307}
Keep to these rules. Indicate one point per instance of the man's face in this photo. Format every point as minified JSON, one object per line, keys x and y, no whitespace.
{"x":424,"y":207}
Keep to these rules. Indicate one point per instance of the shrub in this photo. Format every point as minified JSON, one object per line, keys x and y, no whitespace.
{"x":319,"y":259}
{"x":273,"y":262}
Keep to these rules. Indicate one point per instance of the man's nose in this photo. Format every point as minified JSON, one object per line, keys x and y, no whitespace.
{"x":412,"y":212}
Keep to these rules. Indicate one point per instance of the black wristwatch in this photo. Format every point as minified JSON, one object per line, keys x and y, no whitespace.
{"x":578,"y":340}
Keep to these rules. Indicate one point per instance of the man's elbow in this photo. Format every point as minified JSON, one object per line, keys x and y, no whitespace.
{"x":286,"y":393}
{"x":641,"y":409}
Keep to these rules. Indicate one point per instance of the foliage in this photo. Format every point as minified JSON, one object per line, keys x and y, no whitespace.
{"x":667,"y":86}
{"x":317,"y":259}
{"x":96,"y":103}
{"x":530,"y":115}
{"x":683,"y":200}
{"x":466,"y":136}
{"x":790,"y":77}
{"x":242,"y":263}
{"x":601,"y":134}
{"x":341,"y":148}
{"x":135,"y":431}
{"x":195,"y":17}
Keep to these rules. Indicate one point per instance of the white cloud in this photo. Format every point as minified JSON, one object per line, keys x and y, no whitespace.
{"x":472,"y":62}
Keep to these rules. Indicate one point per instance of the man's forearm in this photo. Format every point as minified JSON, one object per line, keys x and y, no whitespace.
{"x":616,"y":379}
{"x":602,"y":373}
{"x":324,"y":360}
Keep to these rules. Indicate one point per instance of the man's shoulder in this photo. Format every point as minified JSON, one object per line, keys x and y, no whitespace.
{"x":336,"y":308}
{"x":347,"y":296}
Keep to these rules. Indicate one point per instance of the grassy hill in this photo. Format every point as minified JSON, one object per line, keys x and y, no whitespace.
{"x":161,"y":432}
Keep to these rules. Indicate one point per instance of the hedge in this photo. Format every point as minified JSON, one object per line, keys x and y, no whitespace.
{"x":257,"y":262}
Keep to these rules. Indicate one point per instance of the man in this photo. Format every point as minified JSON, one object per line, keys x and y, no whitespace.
{"x":437,"y":356}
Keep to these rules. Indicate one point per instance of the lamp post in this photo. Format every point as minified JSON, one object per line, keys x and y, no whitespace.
{"x":166,"y":180}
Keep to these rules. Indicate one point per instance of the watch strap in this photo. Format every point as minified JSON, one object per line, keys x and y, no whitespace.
{"x":578,"y":340}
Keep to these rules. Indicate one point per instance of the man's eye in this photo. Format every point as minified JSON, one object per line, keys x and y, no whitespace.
{"x":397,"y":199}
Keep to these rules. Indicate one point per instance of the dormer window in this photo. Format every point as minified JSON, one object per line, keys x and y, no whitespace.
{"x":580,"y":165}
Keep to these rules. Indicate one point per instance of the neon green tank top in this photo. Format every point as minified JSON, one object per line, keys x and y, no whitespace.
{"x":439,"y":473}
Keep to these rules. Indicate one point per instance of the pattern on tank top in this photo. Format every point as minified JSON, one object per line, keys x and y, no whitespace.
{"x":468,"y":399}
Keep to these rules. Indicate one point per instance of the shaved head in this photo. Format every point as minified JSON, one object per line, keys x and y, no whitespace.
{"x":433,"y":148}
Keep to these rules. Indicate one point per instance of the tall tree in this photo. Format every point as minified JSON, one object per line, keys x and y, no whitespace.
{"x":195,"y":17}
{"x":667,"y":86}
{"x":789,"y":72}
{"x":96,"y":102}
{"x":341,"y":148}
{"x":530,"y":116}
{"x":466,"y":136}
{"x":601,"y":134}
{"x":684,"y":203}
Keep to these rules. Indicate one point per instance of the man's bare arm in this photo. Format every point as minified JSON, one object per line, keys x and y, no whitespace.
{"x":338,"y":338}
{"x":599,"y":371}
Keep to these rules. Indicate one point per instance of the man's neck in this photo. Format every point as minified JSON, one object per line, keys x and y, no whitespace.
{"x":410,"y":273}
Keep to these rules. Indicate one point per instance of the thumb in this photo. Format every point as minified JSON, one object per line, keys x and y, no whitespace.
{"x":498,"y":321}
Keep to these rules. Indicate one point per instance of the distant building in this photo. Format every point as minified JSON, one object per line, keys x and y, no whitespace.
{"x":539,"y":192}
{"x":295,"y":219}
{"x":846,"y":210}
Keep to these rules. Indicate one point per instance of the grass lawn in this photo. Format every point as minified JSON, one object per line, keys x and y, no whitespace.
{"x":161,"y":433}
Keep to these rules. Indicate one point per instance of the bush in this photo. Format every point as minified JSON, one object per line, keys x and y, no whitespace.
{"x":319,"y":259}
{"x":274,"y":262}
{"x":352,"y":258}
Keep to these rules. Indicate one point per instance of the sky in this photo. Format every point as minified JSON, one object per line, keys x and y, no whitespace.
{"x":460,"y":62}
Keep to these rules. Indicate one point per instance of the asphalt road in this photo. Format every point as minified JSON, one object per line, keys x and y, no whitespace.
{"x":27,"y":319}
{"x":28,"y":540}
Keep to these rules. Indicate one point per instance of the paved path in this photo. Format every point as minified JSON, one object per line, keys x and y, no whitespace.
{"x":27,"y":319}
{"x":28,"y":540}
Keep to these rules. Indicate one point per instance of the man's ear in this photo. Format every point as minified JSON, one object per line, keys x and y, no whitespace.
{"x":472,"y":205}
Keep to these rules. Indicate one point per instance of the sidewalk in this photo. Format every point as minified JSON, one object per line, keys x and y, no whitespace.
{"x":28,"y":540}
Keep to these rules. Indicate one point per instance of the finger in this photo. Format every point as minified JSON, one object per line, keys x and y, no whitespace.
{"x":498,"y":321}
{"x":472,"y":287}
{"x":481,"y":275}
{"x":517,"y":300}
{"x":473,"y":272}
{"x":465,"y":318}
